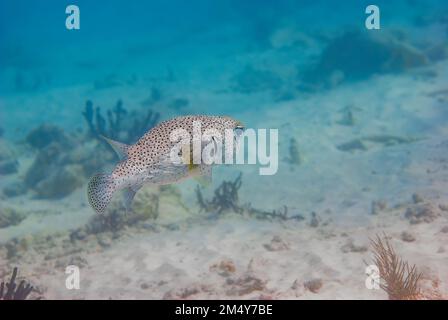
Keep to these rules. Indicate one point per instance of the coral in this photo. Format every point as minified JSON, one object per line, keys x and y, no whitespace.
{"x":353,"y":145}
{"x":295,"y":157}
{"x":245,"y":284}
{"x":61,"y":166}
{"x":120,"y":125}
{"x":280,"y":214}
{"x":144,"y":207}
{"x":389,"y":140}
{"x":142,"y":125}
{"x":398,"y":279}
{"x":421,"y":212}
{"x":10,"y":290}
{"x":51,"y":174}
{"x":357,"y":55}
{"x":97,"y":123}
{"x":364,"y":143}
{"x":60,"y":183}
{"x":313,"y":285}
{"x":115,"y":118}
{"x":10,"y":217}
{"x":42,"y":164}
{"x":224,"y":268}
{"x":407,"y":236}
{"x":88,"y":115}
{"x":47,"y":134}
{"x":146,"y":204}
{"x":225,"y":199}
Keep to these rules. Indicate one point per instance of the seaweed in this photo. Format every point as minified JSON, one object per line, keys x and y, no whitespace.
{"x":279,"y":214}
{"x":358,"y":55}
{"x":399,"y":279}
{"x":352,"y":145}
{"x":226,"y":199}
{"x":88,"y":115}
{"x":47,"y":134}
{"x":10,"y":290}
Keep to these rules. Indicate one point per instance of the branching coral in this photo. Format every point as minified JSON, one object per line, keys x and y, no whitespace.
{"x":280,"y":214}
{"x":115,"y":117}
{"x":398,"y":279}
{"x":10,"y":291}
{"x":226,"y":198}
{"x":142,"y":125}
{"x":120,"y":124}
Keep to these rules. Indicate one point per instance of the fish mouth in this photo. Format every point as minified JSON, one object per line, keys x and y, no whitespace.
{"x":239,"y":124}
{"x":238,"y":132}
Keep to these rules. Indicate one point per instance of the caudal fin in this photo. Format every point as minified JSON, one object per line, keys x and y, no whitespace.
{"x":99,"y":191}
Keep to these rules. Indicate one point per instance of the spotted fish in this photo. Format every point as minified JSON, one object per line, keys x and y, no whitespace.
{"x":148,"y":161}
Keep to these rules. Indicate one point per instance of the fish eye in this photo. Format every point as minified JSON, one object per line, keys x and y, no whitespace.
{"x":238,"y":130}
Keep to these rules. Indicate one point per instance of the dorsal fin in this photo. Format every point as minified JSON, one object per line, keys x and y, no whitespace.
{"x":120,"y":148}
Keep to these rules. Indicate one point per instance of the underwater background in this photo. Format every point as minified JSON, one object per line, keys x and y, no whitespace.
{"x":363,"y":146}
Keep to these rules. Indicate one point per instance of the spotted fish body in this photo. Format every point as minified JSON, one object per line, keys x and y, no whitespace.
{"x":148,"y":161}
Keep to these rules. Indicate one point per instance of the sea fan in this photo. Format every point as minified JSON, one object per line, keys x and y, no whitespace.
{"x":398,"y":279}
{"x":13,"y":292}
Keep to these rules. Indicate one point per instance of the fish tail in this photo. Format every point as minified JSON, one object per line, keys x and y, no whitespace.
{"x":100,"y":190}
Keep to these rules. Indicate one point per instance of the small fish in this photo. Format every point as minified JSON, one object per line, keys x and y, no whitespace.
{"x":148,"y":161}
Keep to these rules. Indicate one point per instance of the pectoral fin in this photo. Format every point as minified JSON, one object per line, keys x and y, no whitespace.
{"x":129,"y":195}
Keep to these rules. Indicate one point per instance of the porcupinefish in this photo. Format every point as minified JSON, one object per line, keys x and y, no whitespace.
{"x":148,"y":161}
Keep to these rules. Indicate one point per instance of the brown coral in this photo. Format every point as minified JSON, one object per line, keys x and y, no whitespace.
{"x":10,"y":290}
{"x":398,"y":279}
